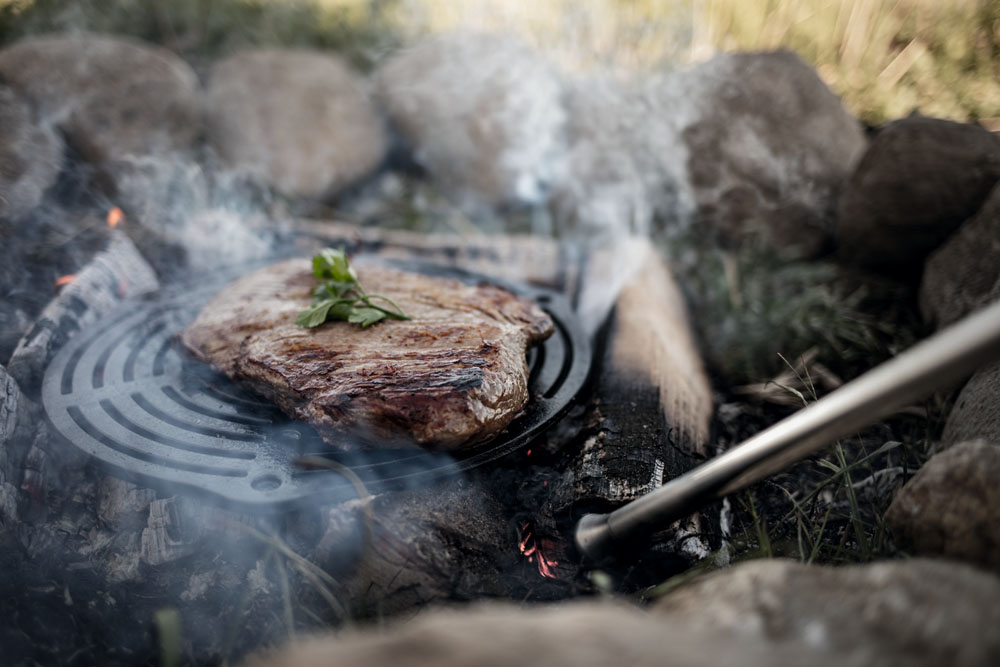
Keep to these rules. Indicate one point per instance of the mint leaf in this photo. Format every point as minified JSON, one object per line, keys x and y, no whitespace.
{"x":366,"y":316}
{"x":314,"y":315}
{"x":332,"y":289}
{"x":341,"y":311}
{"x":338,"y":293}
{"x":332,"y":264}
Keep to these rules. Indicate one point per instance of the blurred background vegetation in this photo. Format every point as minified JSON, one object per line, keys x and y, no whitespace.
{"x":884,"y":57}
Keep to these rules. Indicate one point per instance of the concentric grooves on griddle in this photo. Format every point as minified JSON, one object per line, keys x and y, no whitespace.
{"x":123,"y":392}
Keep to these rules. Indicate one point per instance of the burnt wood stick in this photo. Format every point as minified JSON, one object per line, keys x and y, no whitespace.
{"x":653,"y":396}
{"x":116,"y":273}
{"x":15,"y":438}
{"x":411,"y":548}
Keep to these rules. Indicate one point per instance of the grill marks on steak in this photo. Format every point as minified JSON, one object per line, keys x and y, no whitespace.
{"x":452,"y":376}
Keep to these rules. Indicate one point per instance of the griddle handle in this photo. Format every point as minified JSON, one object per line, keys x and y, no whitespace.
{"x":936,"y":363}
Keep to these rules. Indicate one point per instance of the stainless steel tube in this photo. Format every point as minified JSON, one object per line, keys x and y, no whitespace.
{"x":936,"y":363}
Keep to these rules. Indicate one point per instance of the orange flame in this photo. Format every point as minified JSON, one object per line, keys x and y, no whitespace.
{"x":529,"y":547}
{"x":65,"y":280}
{"x":115,"y":216}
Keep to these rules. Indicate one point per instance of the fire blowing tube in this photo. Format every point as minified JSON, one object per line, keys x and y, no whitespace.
{"x":935,"y":363}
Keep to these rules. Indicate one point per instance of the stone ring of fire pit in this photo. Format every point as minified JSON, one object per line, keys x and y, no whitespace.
{"x":123,"y":392}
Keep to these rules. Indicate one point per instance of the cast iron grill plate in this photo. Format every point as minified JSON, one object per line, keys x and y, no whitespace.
{"x":124,"y":392}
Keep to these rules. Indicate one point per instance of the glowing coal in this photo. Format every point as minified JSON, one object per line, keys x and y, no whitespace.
{"x":536,"y":550}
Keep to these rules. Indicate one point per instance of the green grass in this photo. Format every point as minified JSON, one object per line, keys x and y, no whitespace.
{"x":753,"y":305}
{"x":813,"y":512}
{"x":203,"y":29}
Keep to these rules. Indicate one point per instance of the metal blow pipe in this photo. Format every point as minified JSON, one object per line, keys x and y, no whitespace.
{"x":936,"y":363}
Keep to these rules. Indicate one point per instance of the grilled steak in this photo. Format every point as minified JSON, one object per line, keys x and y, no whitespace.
{"x":452,"y":376}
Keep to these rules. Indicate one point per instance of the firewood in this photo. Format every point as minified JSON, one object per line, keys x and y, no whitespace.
{"x":111,"y":276}
{"x":15,"y":437}
{"x":448,"y":542}
{"x":653,"y":398}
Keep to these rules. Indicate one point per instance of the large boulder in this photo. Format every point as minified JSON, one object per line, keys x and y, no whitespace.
{"x":959,"y":276}
{"x":580,"y":634}
{"x":482,"y":113}
{"x":917,"y":612}
{"x":763,"y":613}
{"x":769,"y":147}
{"x":30,"y":156}
{"x":302,"y":121}
{"x":976,"y":413}
{"x":111,"y":96}
{"x":920,"y":179}
{"x":952,"y":506}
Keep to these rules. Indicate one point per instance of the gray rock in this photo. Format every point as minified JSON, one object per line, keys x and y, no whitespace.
{"x":976,"y":413}
{"x":917,"y":612}
{"x":110,"y":96}
{"x":920,"y":179}
{"x":950,"y":508}
{"x":300,"y":120}
{"x":579,"y":634}
{"x":762,"y":613}
{"x":959,"y":276}
{"x":30,"y":156}
{"x":483,"y":114}
{"x":769,"y":146}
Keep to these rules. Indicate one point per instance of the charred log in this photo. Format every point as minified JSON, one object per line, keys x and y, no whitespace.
{"x":15,"y":438}
{"x":112,"y":275}
{"x":652,"y":404}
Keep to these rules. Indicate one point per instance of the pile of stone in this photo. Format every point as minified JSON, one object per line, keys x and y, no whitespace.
{"x":744,"y":144}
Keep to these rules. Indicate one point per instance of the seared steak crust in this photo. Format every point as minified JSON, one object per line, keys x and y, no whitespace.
{"x":452,"y":376}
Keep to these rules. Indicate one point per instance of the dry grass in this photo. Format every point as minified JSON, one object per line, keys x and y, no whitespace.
{"x":885,"y":58}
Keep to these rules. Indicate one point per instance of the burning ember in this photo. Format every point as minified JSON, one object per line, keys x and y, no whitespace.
{"x":531,"y":547}
{"x":115,"y":217}
{"x":65,"y":280}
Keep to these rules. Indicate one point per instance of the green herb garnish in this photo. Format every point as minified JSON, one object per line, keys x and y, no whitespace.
{"x":339,"y":295}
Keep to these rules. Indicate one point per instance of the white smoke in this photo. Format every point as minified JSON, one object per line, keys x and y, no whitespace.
{"x":217,"y":217}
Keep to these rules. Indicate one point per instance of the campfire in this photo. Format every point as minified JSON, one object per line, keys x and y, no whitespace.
{"x":150,"y":506}
{"x":176,"y":481}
